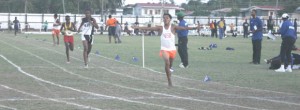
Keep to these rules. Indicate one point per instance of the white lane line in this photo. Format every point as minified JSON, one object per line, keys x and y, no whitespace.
{"x":195,"y":89}
{"x":184,"y":78}
{"x":141,"y":90}
{"x":50,"y":99}
{"x":74,"y":89}
{"x":6,"y":107}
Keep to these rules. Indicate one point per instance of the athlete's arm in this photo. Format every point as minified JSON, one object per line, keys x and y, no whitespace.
{"x":61,"y":28}
{"x":73,"y":27}
{"x":80,"y":26}
{"x":94,"y":23}
{"x":157,"y":28}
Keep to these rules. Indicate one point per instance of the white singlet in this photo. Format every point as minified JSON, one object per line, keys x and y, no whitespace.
{"x":56,"y":27}
{"x":167,"y":39}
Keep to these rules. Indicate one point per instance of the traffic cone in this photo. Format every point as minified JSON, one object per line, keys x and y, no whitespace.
{"x":117,"y":58}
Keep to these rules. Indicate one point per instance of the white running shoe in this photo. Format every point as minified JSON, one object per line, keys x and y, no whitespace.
{"x":171,"y":70}
{"x":289,"y":69}
{"x":181,"y":65}
{"x":86,"y":66}
{"x":280,"y":70}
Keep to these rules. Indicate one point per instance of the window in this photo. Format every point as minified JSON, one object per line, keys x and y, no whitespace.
{"x":157,"y":12}
{"x":146,"y":11}
{"x":166,"y":11}
{"x":151,"y":12}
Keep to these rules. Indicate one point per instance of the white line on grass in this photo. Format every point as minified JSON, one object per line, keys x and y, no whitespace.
{"x":50,"y":99}
{"x":74,"y":89}
{"x":6,"y":107}
{"x":141,"y":90}
{"x":220,"y":93}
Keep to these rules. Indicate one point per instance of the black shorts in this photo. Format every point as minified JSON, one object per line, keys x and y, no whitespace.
{"x":89,"y":38}
{"x":111,"y":31}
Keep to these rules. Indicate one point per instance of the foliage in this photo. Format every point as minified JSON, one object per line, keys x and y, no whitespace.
{"x":56,"y":6}
{"x":204,"y":9}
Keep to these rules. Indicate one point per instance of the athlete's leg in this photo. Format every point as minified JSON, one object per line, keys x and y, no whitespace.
{"x":85,"y":51}
{"x":166,"y":59}
{"x":67,"y":51}
{"x":53,"y":36}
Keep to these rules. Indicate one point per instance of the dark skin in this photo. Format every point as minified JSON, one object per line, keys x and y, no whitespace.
{"x":168,"y":61}
{"x":253,"y":14}
{"x":68,"y":45}
{"x":87,"y":47}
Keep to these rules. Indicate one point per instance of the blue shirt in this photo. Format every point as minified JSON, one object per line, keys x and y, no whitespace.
{"x":182,"y":33}
{"x":287,"y":30}
{"x":256,"y":23}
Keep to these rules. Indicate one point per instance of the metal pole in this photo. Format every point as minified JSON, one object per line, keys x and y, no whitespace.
{"x":64,"y":6}
{"x":101,"y":9}
{"x":78,"y":6}
{"x":25,"y":6}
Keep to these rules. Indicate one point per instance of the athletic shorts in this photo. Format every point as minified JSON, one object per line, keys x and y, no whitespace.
{"x":56,"y":31}
{"x":171,"y":53}
{"x":69,"y":39}
{"x":88,"y":38}
{"x":111,"y":30}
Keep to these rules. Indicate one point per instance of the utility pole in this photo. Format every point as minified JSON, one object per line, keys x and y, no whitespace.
{"x":25,"y":7}
{"x":102,"y":9}
{"x":64,"y":6}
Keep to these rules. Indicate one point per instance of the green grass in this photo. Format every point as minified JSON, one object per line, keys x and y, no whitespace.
{"x":227,"y":70}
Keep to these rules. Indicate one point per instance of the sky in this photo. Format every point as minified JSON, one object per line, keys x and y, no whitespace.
{"x":177,"y":2}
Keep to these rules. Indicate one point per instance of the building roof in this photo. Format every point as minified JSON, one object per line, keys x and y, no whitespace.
{"x":267,"y":7}
{"x":158,"y":5}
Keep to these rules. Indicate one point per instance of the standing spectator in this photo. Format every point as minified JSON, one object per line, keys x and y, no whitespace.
{"x":56,"y":29}
{"x":198,"y":25}
{"x":182,"y":41}
{"x":216,"y":28}
{"x":232,"y":29}
{"x":126,"y":29}
{"x":16,"y":25}
{"x":111,"y":24}
{"x":45,"y":26}
{"x":295,"y":25}
{"x":118,"y":32}
{"x":288,"y":35}
{"x":101,"y":23}
{"x":221,"y":26}
{"x":212,"y":28}
{"x":256,"y":29}
{"x":136,"y":31}
{"x":270,"y":24}
{"x":224,"y":28}
{"x":245,"y":27}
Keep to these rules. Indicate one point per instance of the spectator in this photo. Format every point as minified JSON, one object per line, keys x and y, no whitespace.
{"x":136,"y":31}
{"x":295,"y":25}
{"x":245,"y":27}
{"x":16,"y":25}
{"x":256,"y":28}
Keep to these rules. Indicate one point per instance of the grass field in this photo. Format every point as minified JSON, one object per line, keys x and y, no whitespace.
{"x":34,"y":75}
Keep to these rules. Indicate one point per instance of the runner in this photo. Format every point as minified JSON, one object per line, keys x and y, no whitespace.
{"x":55,"y":29}
{"x":168,"y":49}
{"x":66,"y":30}
{"x":88,"y":23}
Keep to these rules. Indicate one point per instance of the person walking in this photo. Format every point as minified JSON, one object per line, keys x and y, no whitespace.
{"x":182,"y":41}
{"x":288,"y":35}
{"x":256,"y":28}
{"x":245,"y":27}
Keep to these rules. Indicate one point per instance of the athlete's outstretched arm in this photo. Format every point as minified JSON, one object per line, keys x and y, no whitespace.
{"x":157,"y":28}
{"x":80,"y":26}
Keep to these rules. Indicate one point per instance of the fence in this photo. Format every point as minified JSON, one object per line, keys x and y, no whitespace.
{"x":34,"y":22}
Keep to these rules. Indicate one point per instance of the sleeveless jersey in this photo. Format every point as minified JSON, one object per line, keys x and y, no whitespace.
{"x":167,"y":39}
{"x":87,"y":28}
{"x":56,"y":27}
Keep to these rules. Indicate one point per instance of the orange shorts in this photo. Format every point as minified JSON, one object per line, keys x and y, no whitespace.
{"x":56,"y":31}
{"x":69,"y":39}
{"x":170,"y":54}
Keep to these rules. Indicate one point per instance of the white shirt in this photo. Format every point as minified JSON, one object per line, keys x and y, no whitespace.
{"x":56,"y":27}
{"x":87,"y":27}
{"x":167,"y":39}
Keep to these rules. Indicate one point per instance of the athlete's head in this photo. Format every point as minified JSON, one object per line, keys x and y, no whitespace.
{"x":55,"y":15}
{"x":68,"y":18}
{"x":88,"y":13}
{"x":167,"y":18}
